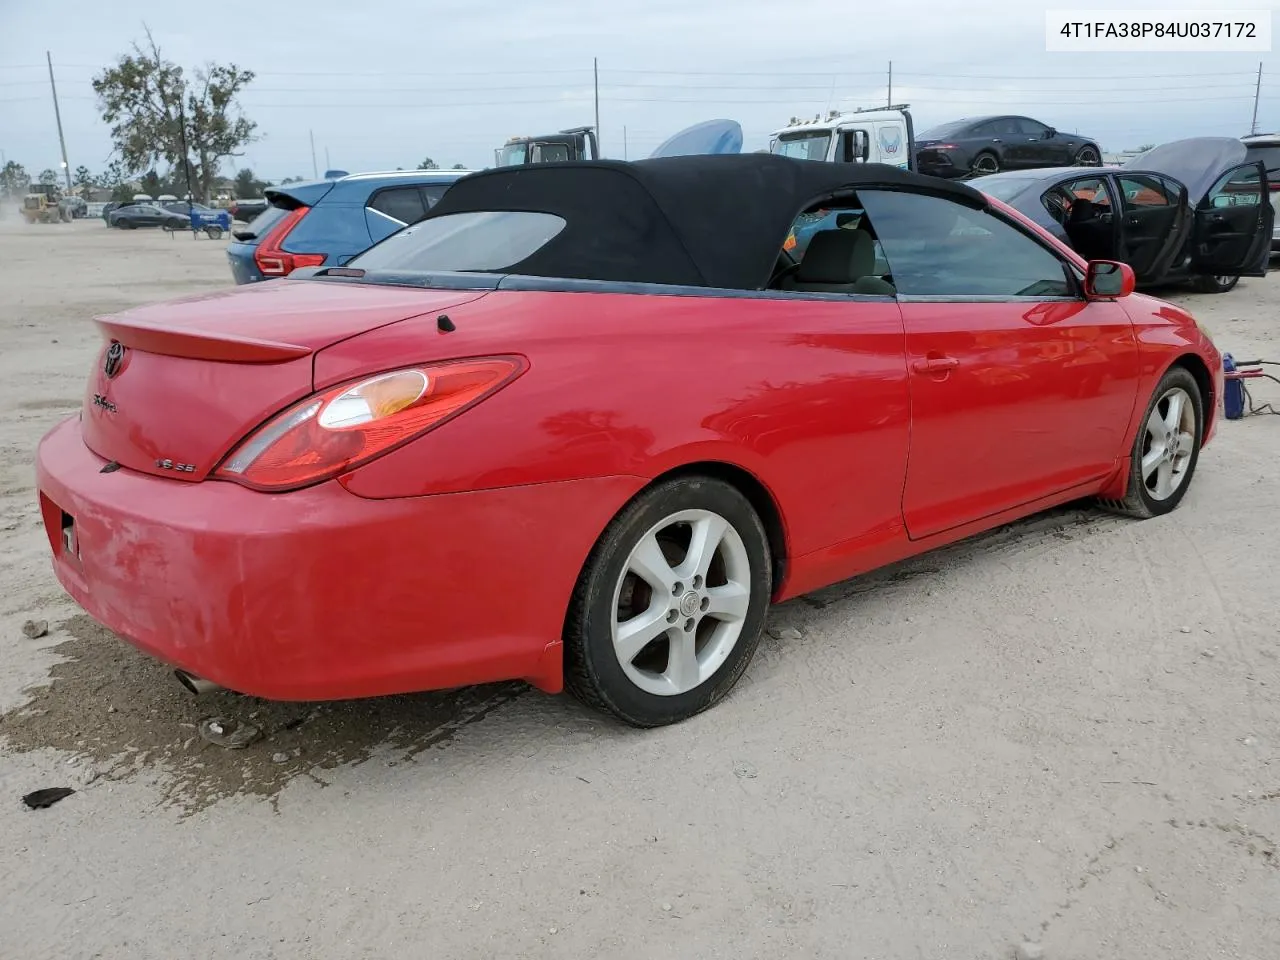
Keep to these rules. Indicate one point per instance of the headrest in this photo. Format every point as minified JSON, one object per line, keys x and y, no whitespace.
{"x":837,"y":256}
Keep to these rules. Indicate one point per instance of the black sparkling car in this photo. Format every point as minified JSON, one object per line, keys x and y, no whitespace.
{"x":982,"y":145}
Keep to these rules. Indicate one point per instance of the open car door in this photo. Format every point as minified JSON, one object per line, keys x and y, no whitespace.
{"x":1231,"y":235}
{"x":1155,"y":219}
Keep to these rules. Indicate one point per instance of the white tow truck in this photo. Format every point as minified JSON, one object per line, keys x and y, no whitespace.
{"x":866,"y":135}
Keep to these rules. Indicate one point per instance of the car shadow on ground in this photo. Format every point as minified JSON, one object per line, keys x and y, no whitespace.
{"x":119,"y":713}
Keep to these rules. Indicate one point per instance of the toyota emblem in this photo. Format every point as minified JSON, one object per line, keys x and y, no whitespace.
{"x":115,"y":356}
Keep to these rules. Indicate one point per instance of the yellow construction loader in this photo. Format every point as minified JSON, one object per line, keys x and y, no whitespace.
{"x":36,"y":208}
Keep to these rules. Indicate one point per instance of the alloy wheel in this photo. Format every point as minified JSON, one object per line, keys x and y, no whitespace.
{"x":680,"y":603}
{"x":1169,"y":444}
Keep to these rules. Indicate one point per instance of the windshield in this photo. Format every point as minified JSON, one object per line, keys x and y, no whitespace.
{"x":1003,"y":188}
{"x":512,"y":154}
{"x":804,"y":146}
{"x":480,"y":241}
{"x":943,"y":130}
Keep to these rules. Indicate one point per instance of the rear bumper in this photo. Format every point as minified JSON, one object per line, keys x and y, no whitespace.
{"x":934,"y":164}
{"x":320,"y":594}
{"x":244,"y":269}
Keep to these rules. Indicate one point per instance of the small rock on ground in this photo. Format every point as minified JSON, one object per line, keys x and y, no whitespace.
{"x":1029,"y":951}
{"x":35,"y":629}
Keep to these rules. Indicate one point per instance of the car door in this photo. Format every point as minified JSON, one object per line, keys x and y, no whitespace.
{"x":1002,"y":133}
{"x":1035,"y":149}
{"x":1154,"y":220}
{"x":1020,"y":388}
{"x":1231,"y":234}
{"x":1088,"y":216}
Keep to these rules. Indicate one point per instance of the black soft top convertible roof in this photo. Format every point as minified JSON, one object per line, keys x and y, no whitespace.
{"x":706,"y":221}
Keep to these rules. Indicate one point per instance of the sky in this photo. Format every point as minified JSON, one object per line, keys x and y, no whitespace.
{"x":382,"y":84}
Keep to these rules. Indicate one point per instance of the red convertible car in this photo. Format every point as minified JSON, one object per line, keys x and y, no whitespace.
{"x":586,"y":421}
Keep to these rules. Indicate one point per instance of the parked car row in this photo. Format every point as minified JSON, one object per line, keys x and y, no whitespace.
{"x":168,"y":215}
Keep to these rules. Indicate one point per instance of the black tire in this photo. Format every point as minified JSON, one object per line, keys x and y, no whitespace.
{"x":1139,"y":501}
{"x":984,"y":163}
{"x":1208,"y":284}
{"x":593,"y":672}
{"x":213,"y":233}
{"x":1088,"y":156}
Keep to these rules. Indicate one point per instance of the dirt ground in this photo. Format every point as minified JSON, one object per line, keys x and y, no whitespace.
{"x":1066,"y":732}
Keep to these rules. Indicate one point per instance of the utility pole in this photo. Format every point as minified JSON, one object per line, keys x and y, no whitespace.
{"x":314,"y":169}
{"x":57,"y":114}
{"x":1257,"y":95}
{"x":624,"y":142}
{"x":327,"y":164}
{"x":890,"y":103}
{"x":595,"y":71}
{"x":186,"y":165}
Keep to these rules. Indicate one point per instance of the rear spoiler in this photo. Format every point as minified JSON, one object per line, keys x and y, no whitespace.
{"x":197,"y":345}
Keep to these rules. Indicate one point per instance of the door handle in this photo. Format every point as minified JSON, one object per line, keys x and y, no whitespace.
{"x":935,"y":365}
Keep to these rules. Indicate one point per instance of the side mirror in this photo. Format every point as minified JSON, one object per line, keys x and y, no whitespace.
{"x":1108,"y":280}
{"x":1050,"y":133}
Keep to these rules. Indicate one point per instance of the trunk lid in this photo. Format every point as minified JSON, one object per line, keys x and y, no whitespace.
{"x":177,"y":384}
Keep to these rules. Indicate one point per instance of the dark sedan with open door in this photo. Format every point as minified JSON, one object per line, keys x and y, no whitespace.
{"x":1191,"y":210}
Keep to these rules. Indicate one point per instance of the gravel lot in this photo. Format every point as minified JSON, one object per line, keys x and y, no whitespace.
{"x":1066,"y":732}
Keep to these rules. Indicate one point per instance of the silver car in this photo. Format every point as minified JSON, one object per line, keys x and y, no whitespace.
{"x":1266,"y":147}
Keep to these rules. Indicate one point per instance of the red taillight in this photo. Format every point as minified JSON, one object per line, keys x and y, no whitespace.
{"x":348,"y":425}
{"x":1273,"y":186}
{"x":272,"y":261}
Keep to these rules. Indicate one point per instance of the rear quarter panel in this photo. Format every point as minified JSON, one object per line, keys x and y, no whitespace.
{"x":809,"y":396}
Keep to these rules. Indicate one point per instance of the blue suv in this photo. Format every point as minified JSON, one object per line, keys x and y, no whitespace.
{"x":327,"y":222}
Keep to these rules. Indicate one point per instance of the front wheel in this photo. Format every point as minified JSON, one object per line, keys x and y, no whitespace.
{"x":213,"y":233}
{"x":1216,"y":284}
{"x":1167,"y":448}
{"x":671,"y":603}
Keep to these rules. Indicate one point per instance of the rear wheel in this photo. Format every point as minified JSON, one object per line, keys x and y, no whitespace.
{"x":1087,"y":156}
{"x":1216,"y":284}
{"x":1167,"y":448}
{"x":213,"y":233}
{"x":670,"y":605}
{"x":986,"y":162}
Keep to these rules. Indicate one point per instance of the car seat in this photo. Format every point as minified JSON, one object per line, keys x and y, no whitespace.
{"x":839,"y":261}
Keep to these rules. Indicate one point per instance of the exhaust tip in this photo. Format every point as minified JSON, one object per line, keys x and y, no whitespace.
{"x":195,"y":685}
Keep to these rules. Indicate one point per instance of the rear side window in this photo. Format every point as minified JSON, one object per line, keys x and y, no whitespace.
{"x":939,"y":248}
{"x":400,"y":203}
{"x":432,"y":193}
{"x":477,"y":241}
{"x":1144,"y":191}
